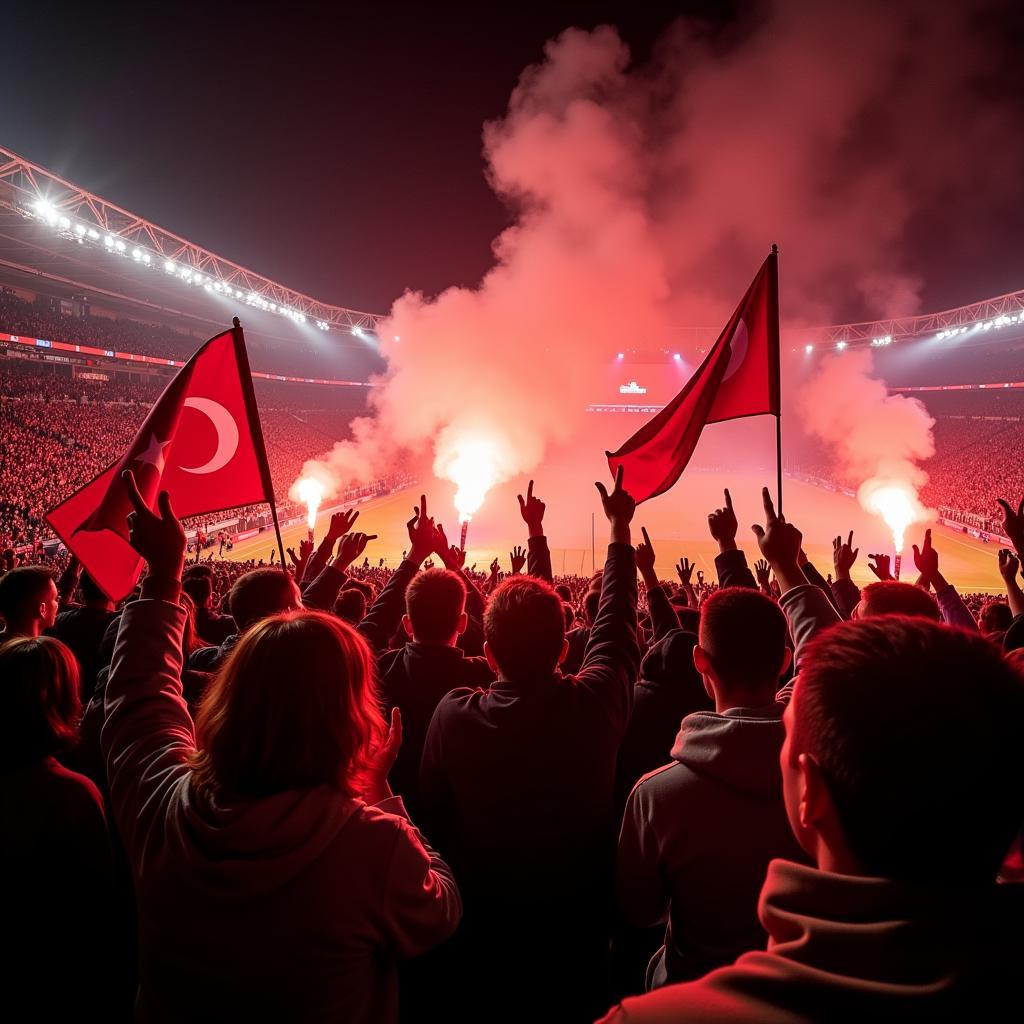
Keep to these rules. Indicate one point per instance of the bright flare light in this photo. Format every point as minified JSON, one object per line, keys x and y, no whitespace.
{"x":473,"y":470}
{"x":896,"y":502}
{"x":311,"y":492}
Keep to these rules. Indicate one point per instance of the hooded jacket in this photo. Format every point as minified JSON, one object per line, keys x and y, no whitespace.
{"x":288,"y":907}
{"x":697,"y":837}
{"x":848,"y":948}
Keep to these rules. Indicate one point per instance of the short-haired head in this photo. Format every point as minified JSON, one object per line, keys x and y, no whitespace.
{"x":903,"y":740}
{"x":28,"y":595}
{"x":260,"y":593}
{"x":524,"y":629}
{"x":995,"y":617}
{"x":435,"y":606}
{"x":350,"y":606}
{"x":892,"y":597}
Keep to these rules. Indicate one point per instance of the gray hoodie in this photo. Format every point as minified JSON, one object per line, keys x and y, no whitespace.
{"x":697,"y":836}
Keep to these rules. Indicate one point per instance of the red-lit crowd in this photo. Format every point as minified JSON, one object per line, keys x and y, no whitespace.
{"x":354,"y":792}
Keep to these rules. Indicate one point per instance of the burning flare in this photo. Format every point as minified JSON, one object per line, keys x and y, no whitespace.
{"x":896,"y":501}
{"x":472,"y":467}
{"x":311,"y":492}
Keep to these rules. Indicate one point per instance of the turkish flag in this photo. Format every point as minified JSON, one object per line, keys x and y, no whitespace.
{"x":201,"y":442}
{"x":739,"y":377}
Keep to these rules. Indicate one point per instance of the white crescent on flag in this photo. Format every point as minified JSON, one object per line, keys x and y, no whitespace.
{"x":737,"y":348}
{"x":227,"y":434}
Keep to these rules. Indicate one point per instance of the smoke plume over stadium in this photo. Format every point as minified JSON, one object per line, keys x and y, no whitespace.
{"x":645,"y":196}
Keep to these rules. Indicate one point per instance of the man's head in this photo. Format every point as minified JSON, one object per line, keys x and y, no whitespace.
{"x":890,"y":597}
{"x":524,"y":630}
{"x":902,"y":751}
{"x":91,"y":593}
{"x":742,"y":651}
{"x":28,"y":600}
{"x":350,"y":606}
{"x":591,"y":602}
{"x":435,"y":607}
{"x":995,"y":617}
{"x":200,"y":589}
{"x":260,"y":593}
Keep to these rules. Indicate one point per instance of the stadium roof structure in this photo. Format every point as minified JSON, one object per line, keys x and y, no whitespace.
{"x":60,"y":239}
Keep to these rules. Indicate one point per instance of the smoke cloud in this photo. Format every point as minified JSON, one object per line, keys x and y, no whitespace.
{"x":645,"y":197}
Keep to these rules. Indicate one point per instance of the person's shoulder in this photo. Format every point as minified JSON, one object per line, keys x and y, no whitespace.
{"x":457,"y":703}
{"x":77,"y":794}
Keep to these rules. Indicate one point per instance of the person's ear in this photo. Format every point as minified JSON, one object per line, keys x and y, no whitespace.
{"x":702,"y":663}
{"x":407,"y":626}
{"x":463,"y":624}
{"x":563,"y":652}
{"x":492,"y":662}
{"x":815,"y":799}
{"x":787,"y":659}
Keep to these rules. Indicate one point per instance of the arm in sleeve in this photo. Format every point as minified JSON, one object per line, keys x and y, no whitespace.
{"x":815,"y":577}
{"x":472,"y":641}
{"x":147,"y":733}
{"x":323,"y":591}
{"x":809,"y":612}
{"x":640,"y":890}
{"x":317,"y":562}
{"x":436,"y":799}
{"x":538,"y":558}
{"x":382,"y":620}
{"x":732,"y":570}
{"x":422,"y":903}
{"x":953,"y":610}
{"x":663,"y":616}
{"x":612,"y":656}
{"x":845,"y":597}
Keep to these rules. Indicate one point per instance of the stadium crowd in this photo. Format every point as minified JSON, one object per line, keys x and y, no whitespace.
{"x":357,"y":792}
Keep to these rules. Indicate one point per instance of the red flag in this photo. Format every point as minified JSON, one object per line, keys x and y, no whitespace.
{"x":739,"y":377}
{"x":201,"y":442}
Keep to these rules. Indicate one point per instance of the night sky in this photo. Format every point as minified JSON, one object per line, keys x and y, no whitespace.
{"x":339,"y":153}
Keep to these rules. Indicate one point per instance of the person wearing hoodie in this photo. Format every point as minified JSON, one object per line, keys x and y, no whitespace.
{"x":901,"y":777}
{"x":698,"y":834}
{"x":277,"y":877}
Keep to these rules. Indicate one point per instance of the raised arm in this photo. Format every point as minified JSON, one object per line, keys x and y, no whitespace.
{"x":1009,"y":566}
{"x":951,"y":605}
{"x":612,"y":655}
{"x":845,"y":593}
{"x":538,"y":559}
{"x":147,"y":733}
{"x":663,"y":615}
{"x":730,"y":562}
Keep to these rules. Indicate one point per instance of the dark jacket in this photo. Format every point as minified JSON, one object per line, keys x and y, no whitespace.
{"x":697,"y":837}
{"x":414,"y":678}
{"x":81,"y":627}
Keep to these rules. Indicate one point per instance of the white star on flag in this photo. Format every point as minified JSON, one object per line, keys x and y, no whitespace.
{"x":154,"y":454}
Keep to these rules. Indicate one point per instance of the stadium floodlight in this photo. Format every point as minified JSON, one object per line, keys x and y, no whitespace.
{"x":64,"y":222}
{"x":120,"y":246}
{"x":146,"y":258}
{"x":93,"y":234}
{"x":840,"y":345}
{"x":238,"y":293}
{"x":397,"y":338}
{"x":136,"y":254}
{"x":108,"y":242}
{"x":621,"y":355}
{"x":169,"y":266}
{"x":808,"y":349}
{"x":676,"y":356}
{"x":44,"y":208}
{"x":79,"y":230}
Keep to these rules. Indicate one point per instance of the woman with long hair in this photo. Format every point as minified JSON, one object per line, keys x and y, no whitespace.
{"x":276,"y":875}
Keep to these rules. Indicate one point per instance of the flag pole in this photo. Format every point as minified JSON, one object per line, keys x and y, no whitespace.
{"x":257,"y":430}
{"x":778,"y":385}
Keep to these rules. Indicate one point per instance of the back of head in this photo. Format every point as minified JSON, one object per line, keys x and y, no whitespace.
{"x":917,"y":729}
{"x":995,"y":617}
{"x":91,"y":592}
{"x":563,"y":591}
{"x":744,"y":635}
{"x":293,"y":707}
{"x":260,"y":593}
{"x":41,"y":699}
{"x":524,"y":628}
{"x":891,"y":597}
{"x":591,"y":603}
{"x":434,"y":602}
{"x":350,"y":606}
{"x":199,"y":588}
{"x":22,"y":590}
{"x":689,"y":619}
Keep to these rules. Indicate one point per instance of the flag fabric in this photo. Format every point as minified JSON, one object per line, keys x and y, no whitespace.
{"x":201,"y":442}
{"x":739,"y":377}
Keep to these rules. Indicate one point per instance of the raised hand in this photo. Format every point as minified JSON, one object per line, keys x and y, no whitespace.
{"x":619,"y":507}
{"x":880,"y":567}
{"x":382,"y":761}
{"x":1009,"y":565}
{"x":1013,"y":523}
{"x":518,"y":558}
{"x":532,"y":511}
{"x":645,"y":557}
{"x":927,"y":562}
{"x":722,"y":524}
{"x":341,"y":523}
{"x":700,"y":578}
{"x":495,"y":569}
{"x":159,"y":538}
{"x":762,"y":570}
{"x":351,"y":547}
{"x":780,"y":543}
{"x":422,"y":533}
{"x":684,"y":570}
{"x":843,"y":556}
